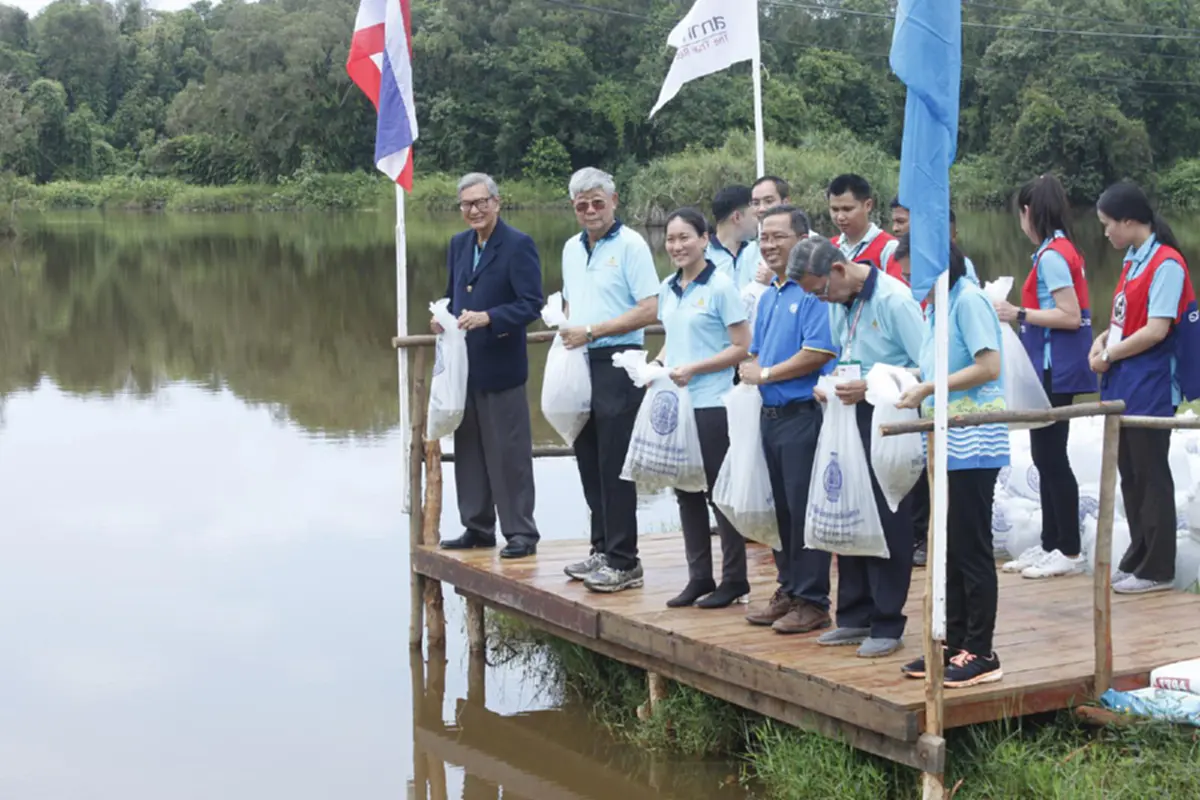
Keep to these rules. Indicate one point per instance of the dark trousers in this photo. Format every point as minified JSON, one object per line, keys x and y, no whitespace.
{"x":493,"y":464}
{"x":921,"y":502}
{"x":872,"y":591}
{"x":971,"y":585}
{"x":790,"y":444}
{"x":1059,"y":490}
{"x":600,"y":453}
{"x":1149,"y":493}
{"x":713,"y":427}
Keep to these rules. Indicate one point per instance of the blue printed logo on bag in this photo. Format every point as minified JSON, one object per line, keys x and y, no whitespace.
{"x":1033,"y":478}
{"x":664,"y":413}
{"x":1000,"y":523}
{"x":439,"y":363}
{"x":1088,"y":507}
{"x":1002,"y":478}
{"x":833,"y":479}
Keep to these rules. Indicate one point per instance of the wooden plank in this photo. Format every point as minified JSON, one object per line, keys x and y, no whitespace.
{"x":509,"y":594}
{"x":919,"y":754}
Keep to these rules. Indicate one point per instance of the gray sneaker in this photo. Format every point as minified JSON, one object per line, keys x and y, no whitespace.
{"x":920,"y":556}
{"x":582,"y":569}
{"x":1135,"y":585}
{"x":879,"y":648}
{"x":843,"y":636}
{"x":609,"y":580}
{"x":1119,"y":577}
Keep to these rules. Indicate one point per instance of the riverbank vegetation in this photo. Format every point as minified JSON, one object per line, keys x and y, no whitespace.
{"x":1038,"y":757}
{"x":240,"y":93}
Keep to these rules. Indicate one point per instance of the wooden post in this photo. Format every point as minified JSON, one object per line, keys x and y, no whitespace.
{"x":431,"y":510}
{"x":1102,"y":576}
{"x":476,"y":633}
{"x":658,"y":690}
{"x":436,"y":698}
{"x":416,"y":516}
{"x":416,"y":665}
{"x":933,"y":786}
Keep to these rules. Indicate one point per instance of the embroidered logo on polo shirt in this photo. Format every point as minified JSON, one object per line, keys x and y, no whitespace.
{"x":612,"y":262}
{"x":794,"y":307}
{"x":699,"y":302}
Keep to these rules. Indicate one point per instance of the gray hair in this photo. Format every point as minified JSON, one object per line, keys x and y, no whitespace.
{"x":814,"y":257}
{"x":476,"y":178}
{"x":589,"y":179}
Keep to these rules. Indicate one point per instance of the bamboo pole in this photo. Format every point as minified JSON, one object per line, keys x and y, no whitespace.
{"x":416,"y":666}
{"x":421,"y":340}
{"x":476,"y":634}
{"x":1162,"y":423}
{"x":1103,"y":408}
{"x":547,"y":451}
{"x":416,"y":516}
{"x":1102,"y":575}
{"x":933,"y":784}
{"x":431,"y":509}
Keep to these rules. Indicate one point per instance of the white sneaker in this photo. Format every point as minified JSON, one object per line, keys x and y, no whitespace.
{"x":1054,"y":565}
{"x":1030,"y":558}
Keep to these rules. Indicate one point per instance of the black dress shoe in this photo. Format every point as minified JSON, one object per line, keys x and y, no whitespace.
{"x":692,"y":592}
{"x":519,"y":547}
{"x":725,"y":595}
{"x":469,"y":540}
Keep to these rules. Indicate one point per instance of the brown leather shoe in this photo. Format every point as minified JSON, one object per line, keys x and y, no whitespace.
{"x":802,"y":618}
{"x":779,"y":605}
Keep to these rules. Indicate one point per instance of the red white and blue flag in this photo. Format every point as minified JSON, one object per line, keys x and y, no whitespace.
{"x":380,"y":63}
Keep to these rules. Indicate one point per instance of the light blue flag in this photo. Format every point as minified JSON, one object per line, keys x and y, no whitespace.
{"x":927,"y":57}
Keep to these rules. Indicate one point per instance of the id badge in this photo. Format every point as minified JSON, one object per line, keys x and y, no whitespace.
{"x":1115,"y":334}
{"x":848,"y":371}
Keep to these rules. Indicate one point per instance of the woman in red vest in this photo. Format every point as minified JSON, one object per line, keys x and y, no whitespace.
{"x":1150,"y":358}
{"x":1056,"y":329}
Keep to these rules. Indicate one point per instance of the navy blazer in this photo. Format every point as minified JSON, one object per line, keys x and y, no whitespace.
{"x":507,"y":284}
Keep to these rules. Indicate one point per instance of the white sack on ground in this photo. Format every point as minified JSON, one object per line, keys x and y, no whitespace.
{"x":1187,"y":562}
{"x":1182,"y":676}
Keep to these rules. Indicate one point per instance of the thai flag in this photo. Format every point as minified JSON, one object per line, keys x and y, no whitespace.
{"x":380,"y":63}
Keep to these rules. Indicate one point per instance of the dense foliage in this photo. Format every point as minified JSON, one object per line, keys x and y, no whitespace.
{"x":238,"y":92}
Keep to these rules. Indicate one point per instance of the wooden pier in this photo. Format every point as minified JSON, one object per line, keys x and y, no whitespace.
{"x":1043,"y":636}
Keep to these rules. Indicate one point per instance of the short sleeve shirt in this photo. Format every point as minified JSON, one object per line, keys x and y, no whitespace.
{"x":883,"y":324}
{"x":696,"y":319}
{"x":789,"y":320}
{"x":740,"y":265}
{"x":605,"y":281}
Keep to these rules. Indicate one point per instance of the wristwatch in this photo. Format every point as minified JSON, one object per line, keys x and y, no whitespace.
{"x":765,"y":375}
{"x":1104,"y":356}
{"x":1020,"y":315}
{"x":588,"y":331}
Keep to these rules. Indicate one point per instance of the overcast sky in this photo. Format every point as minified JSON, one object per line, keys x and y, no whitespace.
{"x":34,"y":6}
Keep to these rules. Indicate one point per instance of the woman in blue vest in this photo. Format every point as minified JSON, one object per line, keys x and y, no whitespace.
{"x":707,"y":336}
{"x":974,"y":459}
{"x":1056,"y":328}
{"x":1150,"y":358}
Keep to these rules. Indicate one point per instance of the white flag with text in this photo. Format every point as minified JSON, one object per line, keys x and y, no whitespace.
{"x":713,"y":35}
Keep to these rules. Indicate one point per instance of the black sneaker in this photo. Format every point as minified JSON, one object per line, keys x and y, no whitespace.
{"x":967,"y":669}
{"x":916,"y":669}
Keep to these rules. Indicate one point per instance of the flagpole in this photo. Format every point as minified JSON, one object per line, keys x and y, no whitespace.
{"x":941,"y":493}
{"x":401,"y":353}
{"x":759,"y":144}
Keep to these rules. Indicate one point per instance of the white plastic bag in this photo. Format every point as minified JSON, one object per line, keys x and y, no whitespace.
{"x":567,"y":382}
{"x":448,"y":389}
{"x":841,"y":516}
{"x":743,"y":487}
{"x":898,"y":461}
{"x":664,"y":451}
{"x":1187,"y":563}
{"x":1023,"y":390}
{"x":751,"y":295}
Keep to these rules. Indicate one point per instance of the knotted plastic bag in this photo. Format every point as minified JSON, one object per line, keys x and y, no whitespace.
{"x":898,"y":461}
{"x":743,"y":488}
{"x":448,"y":389}
{"x":567,"y":382}
{"x":664,"y":450}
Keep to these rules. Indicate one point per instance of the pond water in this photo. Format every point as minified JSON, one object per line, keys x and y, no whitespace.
{"x":203,"y":558}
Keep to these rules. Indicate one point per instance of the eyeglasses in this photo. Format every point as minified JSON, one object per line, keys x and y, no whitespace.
{"x":823,"y":292}
{"x":596,"y":205}
{"x":478,"y":205}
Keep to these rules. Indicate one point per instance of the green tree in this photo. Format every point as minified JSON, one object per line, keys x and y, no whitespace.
{"x":77,"y":46}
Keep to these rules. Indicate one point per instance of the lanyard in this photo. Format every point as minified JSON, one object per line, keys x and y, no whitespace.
{"x":846,"y":348}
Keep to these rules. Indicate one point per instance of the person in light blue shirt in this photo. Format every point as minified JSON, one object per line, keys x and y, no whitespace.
{"x":706,"y":336}
{"x":873,"y":319}
{"x":790,"y":348}
{"x":611,"y":291}
{"x":731,"y":247}
{"x":975,"y":456}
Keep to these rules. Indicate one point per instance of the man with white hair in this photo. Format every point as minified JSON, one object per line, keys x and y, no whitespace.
{"x":495,"y":290}
{"x":611,"y":291}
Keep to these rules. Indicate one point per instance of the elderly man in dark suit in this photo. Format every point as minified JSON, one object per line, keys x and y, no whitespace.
{"x":495,"y":289}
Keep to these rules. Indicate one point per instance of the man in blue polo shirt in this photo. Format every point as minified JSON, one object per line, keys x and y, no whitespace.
{"x":731,"y":247}
{"x":791,"y":346}
{"x":874,"y":320}
{"x":611,"y":291}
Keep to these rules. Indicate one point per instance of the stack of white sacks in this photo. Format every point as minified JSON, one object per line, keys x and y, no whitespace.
{"x":1017,"y":514}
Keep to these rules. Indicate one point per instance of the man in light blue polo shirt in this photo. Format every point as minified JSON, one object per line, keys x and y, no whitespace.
{"x":611,"y":291}
{"x":873,"y":319}
{"x":731,"y":247}
{"x":790,"y":347}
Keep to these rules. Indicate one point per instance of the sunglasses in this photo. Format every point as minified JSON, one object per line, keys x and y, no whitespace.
{"x":596,"y":205}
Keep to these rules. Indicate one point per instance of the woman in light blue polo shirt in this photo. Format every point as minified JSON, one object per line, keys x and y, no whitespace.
{"x":707,"y":336}
{"x":974,"y":459}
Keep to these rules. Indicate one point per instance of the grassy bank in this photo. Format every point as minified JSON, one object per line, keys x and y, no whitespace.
{"x":1051,"y":756}
{"x":305,"y":191}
